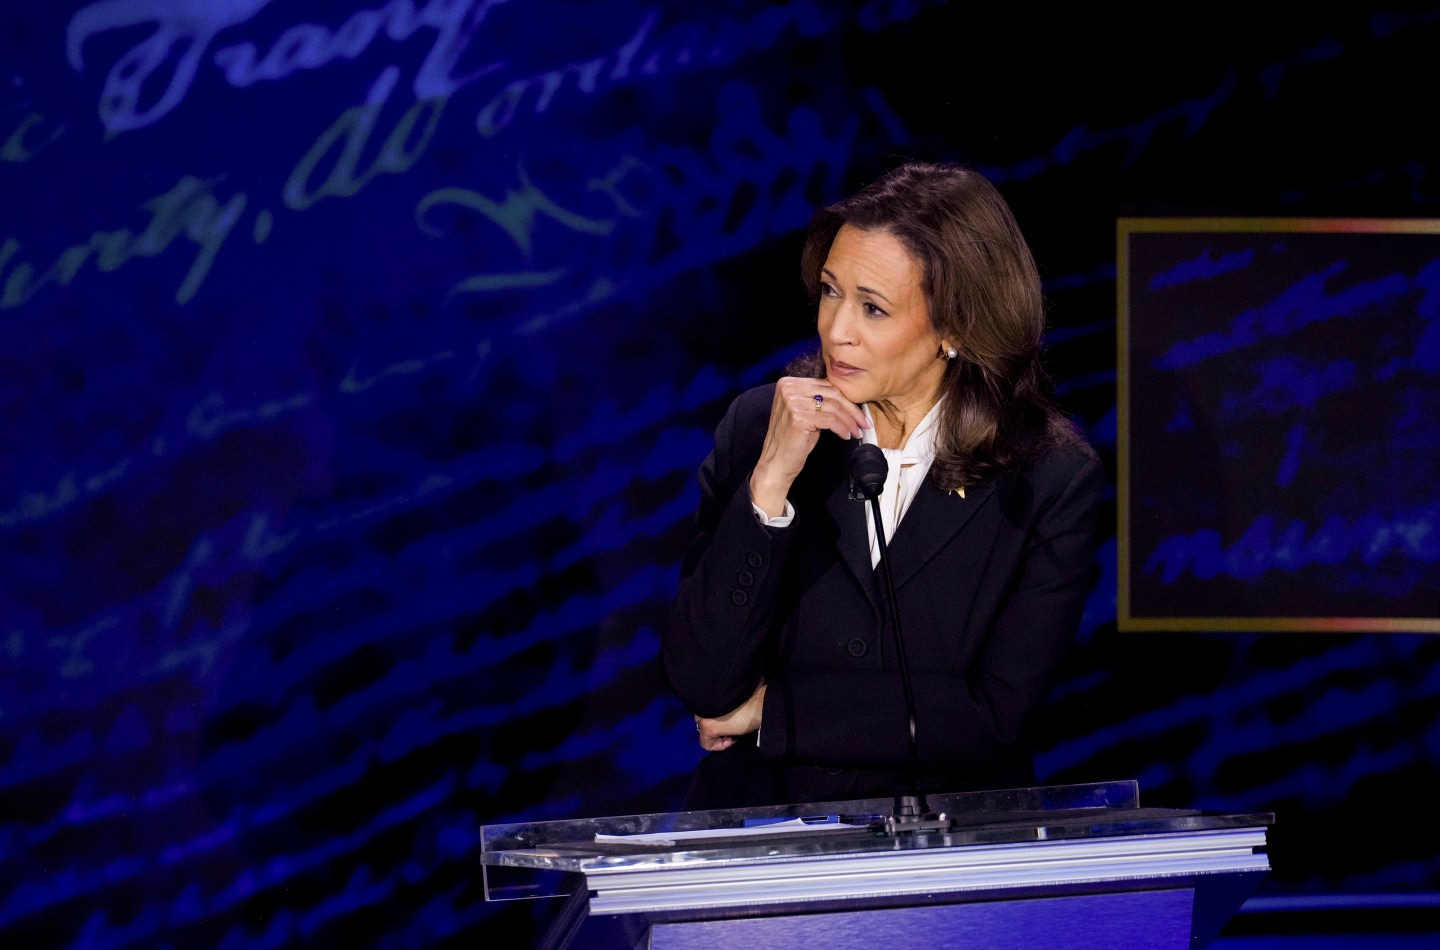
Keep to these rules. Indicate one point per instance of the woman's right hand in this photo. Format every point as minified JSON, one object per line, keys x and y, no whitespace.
{"x":720,"y":733}
{"x":795,"y":427}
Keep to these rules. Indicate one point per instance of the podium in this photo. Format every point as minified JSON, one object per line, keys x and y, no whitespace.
{"x":1056,"y":866}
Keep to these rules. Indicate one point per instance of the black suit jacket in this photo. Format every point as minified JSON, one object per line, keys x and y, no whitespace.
{"x":990,"y":590}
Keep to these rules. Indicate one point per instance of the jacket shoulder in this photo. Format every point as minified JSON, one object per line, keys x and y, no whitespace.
{"x":746,"y":421}
{"x":1071,"y":471}
{"x":1064,"y":462}
{"x":752,"y":406}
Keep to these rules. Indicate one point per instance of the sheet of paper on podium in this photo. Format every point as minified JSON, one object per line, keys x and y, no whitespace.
{"x":751,"y":828}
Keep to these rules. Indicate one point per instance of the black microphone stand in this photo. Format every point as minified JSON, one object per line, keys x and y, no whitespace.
{"x":911,"y":813}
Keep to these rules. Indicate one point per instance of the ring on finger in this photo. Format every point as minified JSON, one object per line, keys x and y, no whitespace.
{"x":819,"y":402}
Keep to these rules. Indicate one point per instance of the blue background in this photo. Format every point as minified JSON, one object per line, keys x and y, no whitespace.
{"x":357,"y":360}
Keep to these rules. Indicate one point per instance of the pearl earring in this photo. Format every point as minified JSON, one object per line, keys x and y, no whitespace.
{"x":951,"y":353}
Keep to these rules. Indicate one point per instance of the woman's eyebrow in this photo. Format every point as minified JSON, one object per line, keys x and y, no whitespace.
{"x":864,"y":290}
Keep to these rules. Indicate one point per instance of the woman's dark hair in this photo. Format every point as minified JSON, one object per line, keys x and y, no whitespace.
{"x":983,"y":293}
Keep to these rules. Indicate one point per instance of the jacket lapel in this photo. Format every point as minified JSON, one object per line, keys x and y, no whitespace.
{"x":847,"y":526}
{"x":934,"y":517}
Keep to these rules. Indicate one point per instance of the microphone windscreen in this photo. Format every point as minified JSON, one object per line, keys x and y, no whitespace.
{"x":868,"y":468}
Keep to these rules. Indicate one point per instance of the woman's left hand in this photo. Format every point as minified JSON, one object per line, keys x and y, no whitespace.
{"x":720,"y":733}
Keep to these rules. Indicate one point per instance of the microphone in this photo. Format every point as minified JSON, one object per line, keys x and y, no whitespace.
{"x":868,"y":469}
{"x":867,"y":473}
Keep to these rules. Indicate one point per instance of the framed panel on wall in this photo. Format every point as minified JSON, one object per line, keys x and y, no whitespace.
{"x":1279,"y":424}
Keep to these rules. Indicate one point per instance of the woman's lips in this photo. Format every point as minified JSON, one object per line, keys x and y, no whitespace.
{"x":838,"y":368}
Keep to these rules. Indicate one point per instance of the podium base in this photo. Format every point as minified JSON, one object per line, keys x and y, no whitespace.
{"x":1139,"y":920}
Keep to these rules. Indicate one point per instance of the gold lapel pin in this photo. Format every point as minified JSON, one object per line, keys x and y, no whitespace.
{"x":958,"y":491}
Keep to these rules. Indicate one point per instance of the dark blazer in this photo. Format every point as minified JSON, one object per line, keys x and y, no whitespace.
{"x":990,"y":590}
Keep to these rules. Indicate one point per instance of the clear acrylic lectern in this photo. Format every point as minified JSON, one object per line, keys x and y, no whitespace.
{"x":1063,"y":866}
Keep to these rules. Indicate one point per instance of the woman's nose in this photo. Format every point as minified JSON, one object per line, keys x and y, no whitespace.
{"x":840,"y":327}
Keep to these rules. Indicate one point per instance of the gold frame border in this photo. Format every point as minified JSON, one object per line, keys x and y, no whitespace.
{"x":1124,"y":228}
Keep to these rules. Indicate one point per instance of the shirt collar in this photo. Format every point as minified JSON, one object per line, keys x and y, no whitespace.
{"x":920,"y":447}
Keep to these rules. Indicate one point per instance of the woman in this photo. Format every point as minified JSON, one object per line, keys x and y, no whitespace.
{"x":930,"y":318}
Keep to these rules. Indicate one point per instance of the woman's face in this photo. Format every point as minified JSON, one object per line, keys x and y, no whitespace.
{"x":875,"y":331}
